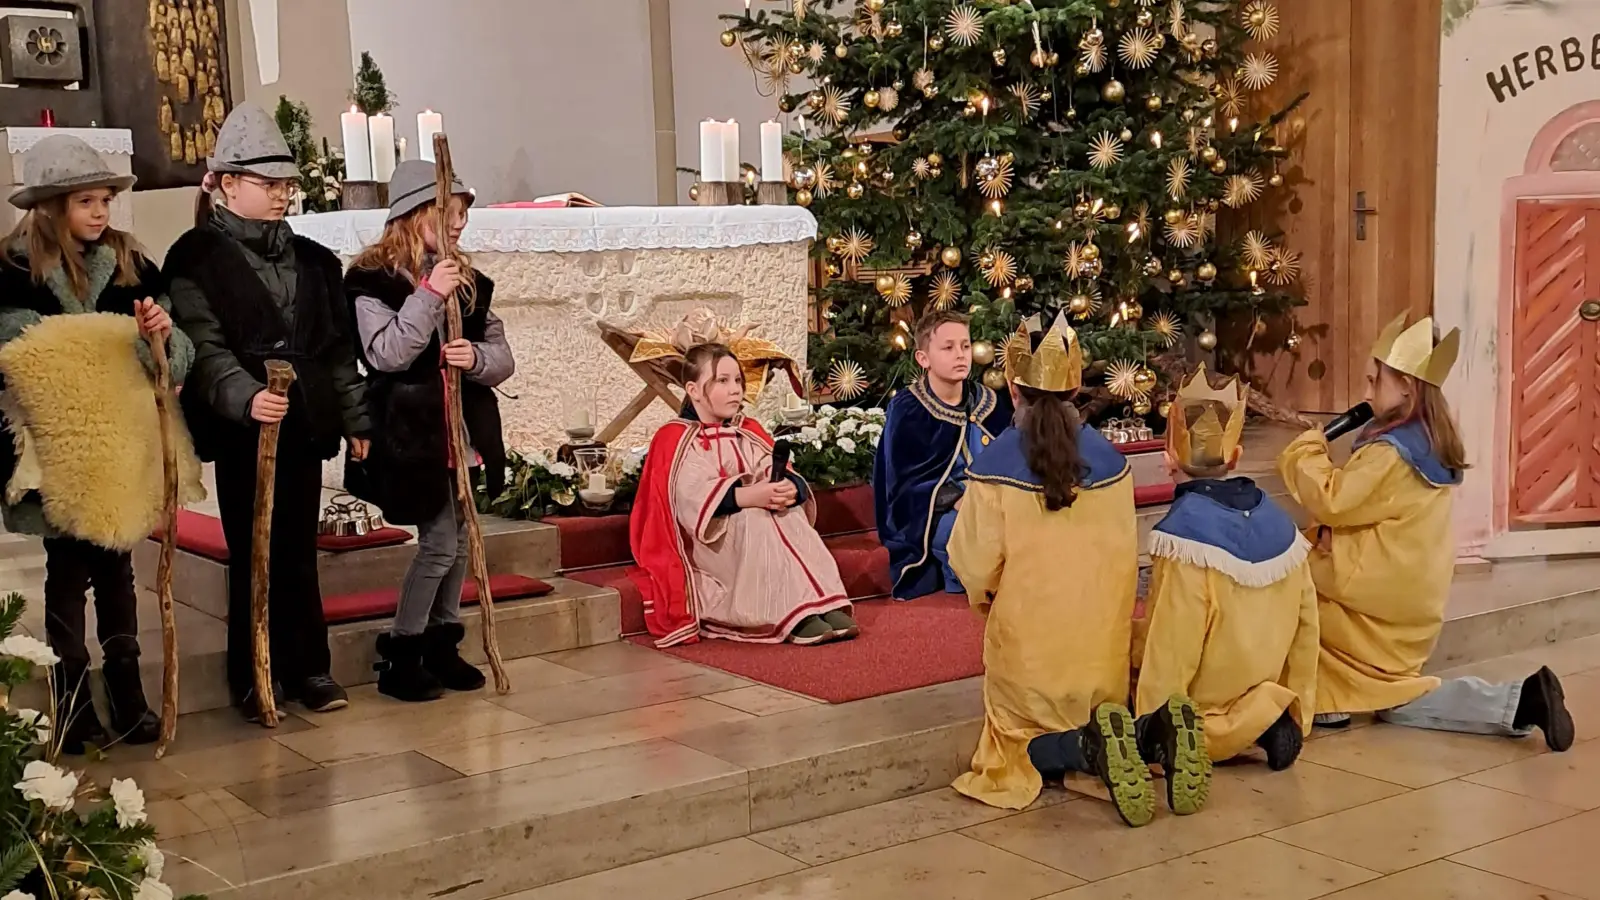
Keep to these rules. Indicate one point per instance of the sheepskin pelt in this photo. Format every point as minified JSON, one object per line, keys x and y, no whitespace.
{"x":82,"y":411}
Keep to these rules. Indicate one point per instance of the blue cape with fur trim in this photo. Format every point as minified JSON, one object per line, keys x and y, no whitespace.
{"x":1232,"y":527}
{"x":1411,"y":442}
{"x":1005,"y":463}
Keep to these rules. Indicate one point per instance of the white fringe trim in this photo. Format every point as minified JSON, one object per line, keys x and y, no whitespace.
{"x":1247,"y":574}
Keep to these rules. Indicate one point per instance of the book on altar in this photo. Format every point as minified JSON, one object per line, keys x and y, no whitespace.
{"x":554,"y":201}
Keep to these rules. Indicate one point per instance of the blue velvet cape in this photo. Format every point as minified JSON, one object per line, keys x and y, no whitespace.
{"x":1411,"y":442}
{"x":923,"y":446}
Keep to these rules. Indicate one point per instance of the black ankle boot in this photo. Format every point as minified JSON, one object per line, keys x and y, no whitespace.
{"x":441,"y":656}
{"x":1283,"y":742}
{"x":132,"y":722}
{"x":400,"y":671}
{"x":76,"y":722}
{"x":1544,"y":706}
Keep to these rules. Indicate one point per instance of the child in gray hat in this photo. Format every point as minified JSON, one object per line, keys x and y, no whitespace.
{"x":398,"y":289}
{"x":64,"y":258}
{"x":247,"y":290}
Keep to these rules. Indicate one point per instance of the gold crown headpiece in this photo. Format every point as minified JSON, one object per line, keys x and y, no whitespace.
{"x":1206,"y":423}
{"x":1056,"y":365}
{"x":1414,"y":352}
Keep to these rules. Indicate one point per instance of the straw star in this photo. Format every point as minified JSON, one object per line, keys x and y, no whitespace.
{"x":1106,"y":151}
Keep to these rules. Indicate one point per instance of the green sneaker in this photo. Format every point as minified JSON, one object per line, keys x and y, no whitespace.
{"x":811,"y":630}
{"x":843,"y":626}
{"x":1174,"y":737}
{"x":1112,"y":751}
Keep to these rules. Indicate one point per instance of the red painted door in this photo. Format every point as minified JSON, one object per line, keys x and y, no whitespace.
{"x":1555,"y":397}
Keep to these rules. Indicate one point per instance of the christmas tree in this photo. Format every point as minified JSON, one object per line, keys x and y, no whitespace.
{"x":320,"y":175}
{"x":371,"y":95}
{"x":1012,"y":158}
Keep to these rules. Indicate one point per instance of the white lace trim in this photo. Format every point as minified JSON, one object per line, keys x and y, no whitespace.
{"x":104,"y":140}
{"x":1248,"y":574}
{"x":584,"y":230}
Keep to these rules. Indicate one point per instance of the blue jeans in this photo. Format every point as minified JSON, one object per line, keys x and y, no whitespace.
{"x":941,"y":551}
{"x":1463,"y":705}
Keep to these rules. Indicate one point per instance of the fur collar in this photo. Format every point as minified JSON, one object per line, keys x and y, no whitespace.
{"x":100,"y":262}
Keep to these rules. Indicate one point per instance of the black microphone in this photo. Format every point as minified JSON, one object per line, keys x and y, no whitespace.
{"x":780,"y":461}
{"x":1358,"y":415}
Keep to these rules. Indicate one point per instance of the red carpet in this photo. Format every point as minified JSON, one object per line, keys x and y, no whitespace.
{"x":902,"y":646}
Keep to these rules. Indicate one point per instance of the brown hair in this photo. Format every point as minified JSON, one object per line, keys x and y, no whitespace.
{"x":401,"y":249}
{"x":1429,"y":407}
{"x":703,"y":358}
{"x":47,"y":236}
{"x":932,"y":321}
{"x":1049,"y":425}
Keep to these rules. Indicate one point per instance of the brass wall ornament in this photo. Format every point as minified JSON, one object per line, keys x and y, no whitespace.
{"x":40,"y":50}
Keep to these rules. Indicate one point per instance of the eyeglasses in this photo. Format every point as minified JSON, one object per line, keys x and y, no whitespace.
{"x":276,"y":188}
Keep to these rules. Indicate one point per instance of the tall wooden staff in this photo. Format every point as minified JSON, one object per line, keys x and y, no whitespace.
{"x":169,"y":536}
{"x":444,"y":177}
{"x":280,"y":375}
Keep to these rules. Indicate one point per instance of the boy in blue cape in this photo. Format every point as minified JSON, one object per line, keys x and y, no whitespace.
{"x":934,"y":430}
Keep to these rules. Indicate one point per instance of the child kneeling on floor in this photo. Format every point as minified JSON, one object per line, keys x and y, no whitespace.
{"x":1385,"y":556}
{"x":398,"y":289}
{"x":1232,"y":608}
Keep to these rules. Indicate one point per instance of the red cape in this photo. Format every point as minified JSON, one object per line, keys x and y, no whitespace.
{"x":660,"y":546}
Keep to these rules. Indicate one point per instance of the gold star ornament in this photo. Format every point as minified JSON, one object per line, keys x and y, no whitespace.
{"x":847,"y":380}
{"x":1105,"y":151}
{"x":964,"y":25}
{"x":856,"y":245}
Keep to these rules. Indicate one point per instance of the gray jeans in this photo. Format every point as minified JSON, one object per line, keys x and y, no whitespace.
{"x":431,"y":591}
{"x":1465,"y":705}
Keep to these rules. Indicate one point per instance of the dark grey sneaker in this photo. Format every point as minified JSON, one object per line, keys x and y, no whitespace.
{"x":1283,"y":742}
{"x":843,"y":626}
{"x":811,"y":630}
{"x":320,"y":693}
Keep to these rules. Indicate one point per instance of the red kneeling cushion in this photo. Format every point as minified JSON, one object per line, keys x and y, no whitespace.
{"x":382,"y":602}
{"x":1154,"y":494}
{"x":382,"y":537}
{"x":201,"y":535}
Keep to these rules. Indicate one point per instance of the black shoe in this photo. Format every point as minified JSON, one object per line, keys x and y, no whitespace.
{"x":132,"y":722}
{"x":400,"y":671}
{"x":76,"y":723}
{"x":1174,"y":738}
{"x":251,"y":710}
{"x":320,"y":694}
{"x":441,"y":657}
{"x":1283,"y":742}
{"x":1544,"y":706}
{"x":1111,"y":751}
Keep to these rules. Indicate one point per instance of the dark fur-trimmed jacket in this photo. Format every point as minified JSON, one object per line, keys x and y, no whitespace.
{"x":23,"y":302}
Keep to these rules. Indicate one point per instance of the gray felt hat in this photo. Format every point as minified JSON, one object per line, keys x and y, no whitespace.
{"x":250,"y":143}
{"x":415,"y":183}
{"x":61,"y":164}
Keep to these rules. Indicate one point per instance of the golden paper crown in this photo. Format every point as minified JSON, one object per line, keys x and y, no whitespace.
{"x":1413,"y":351}
{"x":1206,"y":423}
{"x":1056,"y":365}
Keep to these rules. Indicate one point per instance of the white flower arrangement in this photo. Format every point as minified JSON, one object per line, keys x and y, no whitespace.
{"x":34,"y":651}
{"x":47,"y":784}
{"x":535,"y":485}
{"x":839,"y":448}
{"x":129,"y":802}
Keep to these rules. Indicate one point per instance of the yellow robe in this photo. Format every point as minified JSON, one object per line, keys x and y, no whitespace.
{"x":1385,"y":579}
{"x":1244,"y":655}
{"x":1057,"y":589}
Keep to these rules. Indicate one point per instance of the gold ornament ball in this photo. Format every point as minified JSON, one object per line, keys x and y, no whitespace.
{"x":987,"y":259}
{"x":842,"y":50}
{"x":729,"y":39}
{"x":987,"y":168}
{"x":803,"y":177}
{"x":1080,"y":304}
{"x":1127,"y":134}
{"x":1258,"y":16}
{"x":1164,"y":408}
{"x":934,"y":172}
{"x":950,"y":256}
{"x":803,"y":196}
{"x":875,"y":5}
{"x":886,"y":176}
{"x":1024,"y":284}
{"x":935,"y":159}
{"x":871,"y":99}
{"x":1220,"y":166}
{"x":786,"y":104}
{"x":796,"y":67}
{"x":1188,"y":115}
{"x":1173,"y":216}
{"x":1112,"y":211}
{"x":982,"y":353}
{"x":864,"y":148}
{"x":913,"y":239}
{"x":1141,"y":406}
{"x":936,"y":42}
{"x":1213,"y":205}
{"x":1292,"y":342}
{"x":1145,"y":18}
{"x":884,"y":284}
{"x":1207,"y":272}
{"x":1175,"y":276}
{"x":1046,"y":95}
{"x":833,"y":269}
{"x":1260,"y":327}
{"x":1093,"y":268}
{"x":931,"y":91}
{"x":1054,"y":58}
{"x":999,"y":56}
{"x":1159,"y":41}
{"x":694,"y":191}
{"x":969,"y":110}
{"x":1113,"y":91}
{"x":1153,"y":102}
{"x":1276,"y":180}
{"x":815,"y":100}
{"x":1207,"y":340}
{"x":1210,"y":46}
{"x":1072,"y":114}
{"x":1081,"y":208}
{"x":1133,"y":311}
{"x":994,"y":379}
{"x":894,"y":29}
{"x":1209,"y":154}
{"x":1152,"y":266}
{"x":855,"y":190}
{"x":1081,"y":69}
{"x":1144,"y":381}
{"x":835,"y":242}
{"x":1091,"y":252}
{"x":1039,"y":58}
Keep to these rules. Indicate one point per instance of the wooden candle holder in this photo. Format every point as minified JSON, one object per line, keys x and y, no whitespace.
{"x":772,"y":193}
{"x":721,"y":193}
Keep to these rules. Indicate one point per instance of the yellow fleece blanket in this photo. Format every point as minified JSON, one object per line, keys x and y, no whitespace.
{"x":81,"y":408}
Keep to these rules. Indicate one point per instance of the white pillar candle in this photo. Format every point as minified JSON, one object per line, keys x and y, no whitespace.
{"x":771,"y":151}
{"x":730,"y":151}
{"x":381,"y":128}
{"x":597,"y":481}
{"x":357,"y":146}
{"x":429,"y":123}
{"x":711,"y":151}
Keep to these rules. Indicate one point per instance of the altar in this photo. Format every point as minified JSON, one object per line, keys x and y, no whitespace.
{"x":559,"y":273}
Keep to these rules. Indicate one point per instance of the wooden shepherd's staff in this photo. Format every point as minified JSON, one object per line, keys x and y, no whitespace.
{"x":280,"y":375}
{"x":444,"y":177}
{"x":169,"y":536}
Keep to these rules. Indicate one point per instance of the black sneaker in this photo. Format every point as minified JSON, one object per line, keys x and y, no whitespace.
{"x":1283,"y":742}
{"x":320,"y":694}
{"x":1544,"y":706}
{"x":1174,"y":737}
{"x":1112,"y":751}
{"x":251,"y":710}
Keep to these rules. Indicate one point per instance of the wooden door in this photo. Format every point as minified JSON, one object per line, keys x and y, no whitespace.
{"x":1367,"y":132}
{"x":1555,"y":377}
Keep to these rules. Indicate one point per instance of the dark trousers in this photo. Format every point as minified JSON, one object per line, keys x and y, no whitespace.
{"x":1054,"y":755}
{"x":71,"y":568}
{"x":299,"y":636}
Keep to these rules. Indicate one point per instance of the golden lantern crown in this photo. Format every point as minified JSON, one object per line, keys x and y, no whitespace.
{"x":1206,"y":423}
{"x":1056,"y":365}
{"x":1414,"y":352}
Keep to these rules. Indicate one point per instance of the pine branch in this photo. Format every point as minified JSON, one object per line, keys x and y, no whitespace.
{"x":16,"y":862}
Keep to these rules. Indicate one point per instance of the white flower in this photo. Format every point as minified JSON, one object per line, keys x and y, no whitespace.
{"x":816,"y":445}
{"x":48,"y":784}
{"x":848,"y":426}
{"x":634,"y":460}
{"x":809,"y":434}
{"x":563,"y":470}
{"x":39,"y":722}
{"x":827,"y":412}
{"x":24,"y":647}
{"x":17,"y":895}
{"x":875,"y":438}
{"x":129,"y":801}
{"x":150,"y":859}
{"x":872,"y":428}
{"x":151,"y":889}
{"x":847,"y":445}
